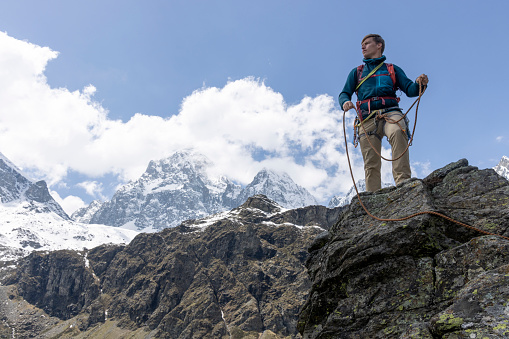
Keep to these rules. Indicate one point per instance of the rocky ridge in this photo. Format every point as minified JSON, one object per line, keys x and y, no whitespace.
{"x":424,"y":277}
{"x":237,"y":274}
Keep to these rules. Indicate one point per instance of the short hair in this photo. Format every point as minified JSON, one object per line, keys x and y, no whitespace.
{"x":377,"y":38}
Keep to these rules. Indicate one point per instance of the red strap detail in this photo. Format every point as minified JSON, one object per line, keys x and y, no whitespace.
{"x":359,"y":103}
{"x":359,"y":73}
{"x":392,"y":73}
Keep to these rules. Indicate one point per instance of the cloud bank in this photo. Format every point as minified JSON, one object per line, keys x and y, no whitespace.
{"x":242,"y":127}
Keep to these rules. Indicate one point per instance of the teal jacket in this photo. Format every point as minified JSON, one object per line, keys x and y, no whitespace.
{"x":377,"y":86}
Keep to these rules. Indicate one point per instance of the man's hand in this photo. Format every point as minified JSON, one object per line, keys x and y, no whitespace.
{"x":348,"y":106}
{"x":422,"y":80}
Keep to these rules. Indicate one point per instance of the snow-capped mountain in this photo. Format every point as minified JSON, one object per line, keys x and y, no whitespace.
{"x":179,"y":188}
{"x":503,"y":167}
{"x":23,"y":230}
{"x":85,"y":214}
{"x":171,"y":190}
{"x":278,"y":187}
{"x":30,"y":219}
{"x":14,"y":186}
{"x":338,"y":201}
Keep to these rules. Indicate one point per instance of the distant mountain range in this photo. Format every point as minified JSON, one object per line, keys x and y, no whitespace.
{"x":30,"y":219}
{"x":179,"y":188}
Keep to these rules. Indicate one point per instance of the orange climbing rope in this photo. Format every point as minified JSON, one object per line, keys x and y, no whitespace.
{"x":421,"y":92}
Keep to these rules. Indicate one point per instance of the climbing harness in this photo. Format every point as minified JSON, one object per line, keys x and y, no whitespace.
{"x":421,"y":92}
{"x":379,"y":114}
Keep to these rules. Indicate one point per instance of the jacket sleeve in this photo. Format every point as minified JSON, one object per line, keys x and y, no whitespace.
{"x":348,"y":89}
{"x":410,"y":88}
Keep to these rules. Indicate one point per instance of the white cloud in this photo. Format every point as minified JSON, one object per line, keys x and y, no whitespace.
{"x":421,"y":169}
{"x":70,"y":203}
{"x":242,"y":127}
{"x":93,"y":188}
{"x":500,"y":138}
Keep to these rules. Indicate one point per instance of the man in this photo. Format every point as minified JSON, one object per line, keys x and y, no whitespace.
{"x":378,"y":108}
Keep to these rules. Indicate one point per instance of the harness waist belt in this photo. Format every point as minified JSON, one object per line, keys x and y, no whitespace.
{"x":359,"y":103}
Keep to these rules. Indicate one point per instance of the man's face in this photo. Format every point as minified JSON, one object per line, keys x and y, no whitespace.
{"x":370,"y":49}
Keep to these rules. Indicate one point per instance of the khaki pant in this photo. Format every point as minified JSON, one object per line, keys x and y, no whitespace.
{"x":398,"y":140}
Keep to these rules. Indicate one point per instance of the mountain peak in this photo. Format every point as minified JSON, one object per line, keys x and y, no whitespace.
{"x":503,"y":167}
{"x":280,"y":187}
{"x":186,"y":161}
{"x":14,"y":186}
{"x":180,"y":187}
{"x":270,"y":174}
{"x":85,"y":214}
{"x":8,"y":163}
{"x":32,"y":220}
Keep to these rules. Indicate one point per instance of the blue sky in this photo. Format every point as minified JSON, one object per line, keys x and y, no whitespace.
{"x":144,"y":60}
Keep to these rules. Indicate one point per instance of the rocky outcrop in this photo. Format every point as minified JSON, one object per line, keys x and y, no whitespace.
{"x":425,"y":277}
{"x":233,"y":275}
{"x":60,"y":282}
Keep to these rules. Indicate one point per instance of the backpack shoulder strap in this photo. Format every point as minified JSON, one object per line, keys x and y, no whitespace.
{"x":392,"y":73}
{"x":360,"y":68}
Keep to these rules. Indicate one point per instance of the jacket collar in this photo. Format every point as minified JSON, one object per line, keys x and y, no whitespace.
{"x":375,"y":61}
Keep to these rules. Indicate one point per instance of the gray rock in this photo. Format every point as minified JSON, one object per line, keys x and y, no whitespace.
{"x":59,"y":282}
{"x":417,"y":277}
